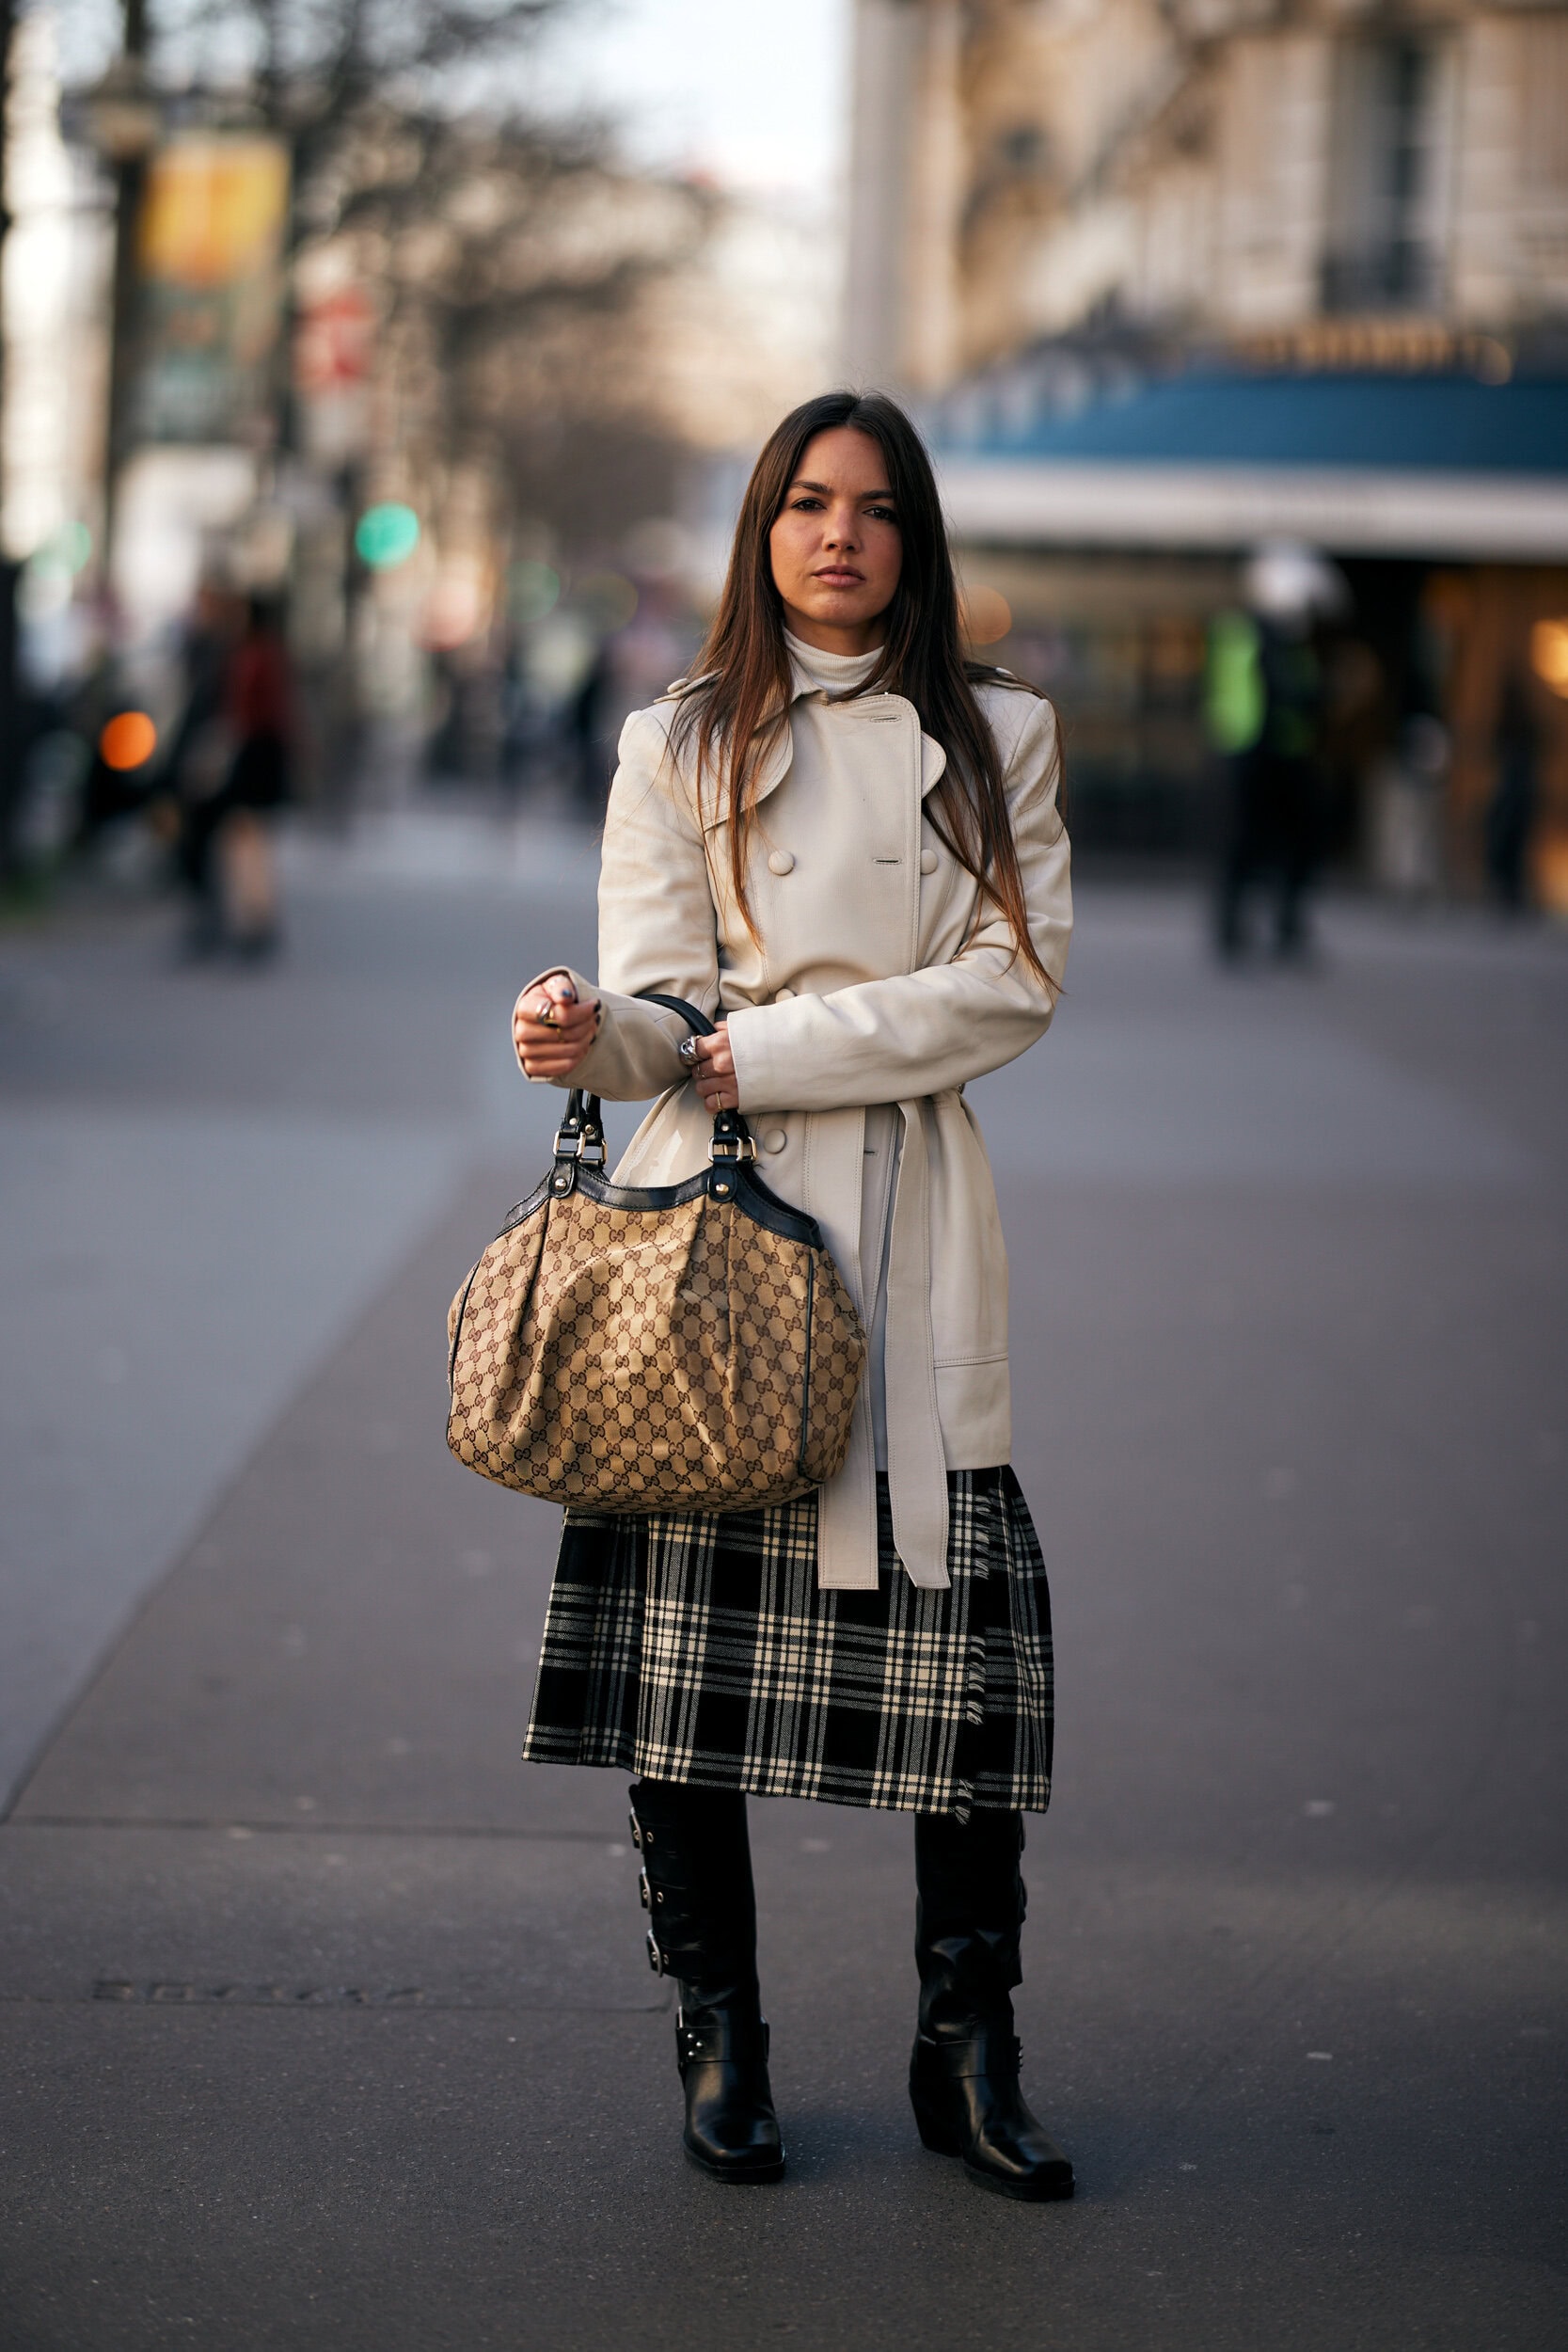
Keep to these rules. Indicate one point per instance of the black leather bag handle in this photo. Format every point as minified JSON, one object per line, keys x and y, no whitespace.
{"x":579,"y":1138}
{"x":732,"y":1137}
{"x":699,"y":1021}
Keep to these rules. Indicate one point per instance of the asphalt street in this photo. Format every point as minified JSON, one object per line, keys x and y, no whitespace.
{"x":325,"y":2022}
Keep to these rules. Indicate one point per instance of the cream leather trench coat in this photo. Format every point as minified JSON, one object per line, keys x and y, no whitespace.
{"x":879,"y":980}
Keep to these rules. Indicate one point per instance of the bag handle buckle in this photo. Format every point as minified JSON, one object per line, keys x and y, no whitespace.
{"x":732,"y":1149}
{"x":579,"y":1138}
{"x":733,"y":1140}
{"x":587,"y":1147}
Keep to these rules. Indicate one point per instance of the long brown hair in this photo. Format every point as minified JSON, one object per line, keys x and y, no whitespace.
{"x":738,"y":701}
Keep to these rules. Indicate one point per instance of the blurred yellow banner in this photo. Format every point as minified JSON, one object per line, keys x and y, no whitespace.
{"x":210,"y":253}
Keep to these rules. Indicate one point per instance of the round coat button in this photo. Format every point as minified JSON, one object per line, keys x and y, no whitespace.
{"x":775,"y":1139}
{"x":781,"y":862}
{"x":928,"y":861}
{"x":784,"y":995}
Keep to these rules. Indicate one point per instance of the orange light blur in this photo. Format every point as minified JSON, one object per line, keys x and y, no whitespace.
{"x":984,"y":615}
{"x":129,"y":741}
{"x":1548,"y":652}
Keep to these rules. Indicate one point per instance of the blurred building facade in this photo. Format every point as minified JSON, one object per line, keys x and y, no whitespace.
{"x":1173,"y":278}
{"x":1264,"y":172}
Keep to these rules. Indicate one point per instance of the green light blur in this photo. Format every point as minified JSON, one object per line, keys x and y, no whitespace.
{"x":74,"y":546}
{"x":64,"y":553}
{"x":386,"y":535}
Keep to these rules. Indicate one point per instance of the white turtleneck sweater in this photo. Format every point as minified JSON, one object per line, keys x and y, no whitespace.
{"x":822,"y":674}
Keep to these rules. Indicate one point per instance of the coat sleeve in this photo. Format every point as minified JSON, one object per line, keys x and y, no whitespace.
{"x":923,"y":1032}
{"x":657,"y":923}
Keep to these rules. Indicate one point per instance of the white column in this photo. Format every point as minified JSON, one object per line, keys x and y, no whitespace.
{"x":888,"y":40}
{"x":931,"y":347}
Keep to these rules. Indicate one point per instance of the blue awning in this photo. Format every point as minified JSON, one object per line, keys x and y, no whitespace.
{"x":1218,"y":417}
{"x":1435,"y":466}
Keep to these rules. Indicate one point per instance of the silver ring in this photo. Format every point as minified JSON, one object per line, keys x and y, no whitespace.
{"x":687,"y":1049}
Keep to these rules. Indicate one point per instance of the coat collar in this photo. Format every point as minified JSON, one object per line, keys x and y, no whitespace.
{"x":779,"y":757}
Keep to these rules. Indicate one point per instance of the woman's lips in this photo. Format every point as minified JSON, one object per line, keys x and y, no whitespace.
{"x":837,"y":577}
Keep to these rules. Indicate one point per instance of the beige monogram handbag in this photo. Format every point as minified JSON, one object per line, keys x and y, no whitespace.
{"x":689,"y":1348}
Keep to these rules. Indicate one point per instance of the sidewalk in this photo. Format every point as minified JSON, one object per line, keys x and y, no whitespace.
{"x":326,"y":2023}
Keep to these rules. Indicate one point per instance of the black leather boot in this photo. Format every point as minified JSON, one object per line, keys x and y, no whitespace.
{"x":697,"y":1887}
{"x":964,"y":2070}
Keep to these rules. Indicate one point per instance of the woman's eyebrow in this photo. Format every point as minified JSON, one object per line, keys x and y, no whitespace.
{"x":825,"y":490}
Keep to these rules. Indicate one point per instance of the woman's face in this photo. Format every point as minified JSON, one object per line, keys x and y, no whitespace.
{"x":836,"y":545}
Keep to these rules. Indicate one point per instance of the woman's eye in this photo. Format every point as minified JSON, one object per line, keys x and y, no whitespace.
{"x":806,"y":505}
{"x":882,"y":514}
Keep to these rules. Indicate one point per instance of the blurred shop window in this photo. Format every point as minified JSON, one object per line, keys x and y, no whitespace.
{"x":1176,"y":662}
{"x":1548,"y":660}
{"x":1549,"y":655}
{"x":1388,"y":183}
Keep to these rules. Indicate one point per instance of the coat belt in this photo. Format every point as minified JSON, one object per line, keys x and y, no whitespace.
{"x":917,"y":1467}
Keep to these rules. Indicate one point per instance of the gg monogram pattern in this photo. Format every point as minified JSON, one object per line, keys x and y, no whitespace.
{"x":635,"y":1360}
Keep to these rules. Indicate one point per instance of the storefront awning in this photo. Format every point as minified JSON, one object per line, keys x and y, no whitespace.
{"x":1422,"y":466}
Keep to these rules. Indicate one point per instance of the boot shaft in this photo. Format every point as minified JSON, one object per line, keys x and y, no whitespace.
{"x":697,"y":1889}
{"x":970,"y":1904}
{"x":697,"y":1886}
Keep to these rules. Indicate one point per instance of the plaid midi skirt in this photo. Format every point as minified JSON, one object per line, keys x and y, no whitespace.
{"x":690,"y":1646}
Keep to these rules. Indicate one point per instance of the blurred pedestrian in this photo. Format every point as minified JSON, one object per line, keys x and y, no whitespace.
{"x":202,"y":741}
{"x":1510,"y":812}
{"x":1405,"y":809}
{"x":1266,"y":702}
{"x":589,"y":764}
{"x":872,"y":901}
{"x":247,"y":738}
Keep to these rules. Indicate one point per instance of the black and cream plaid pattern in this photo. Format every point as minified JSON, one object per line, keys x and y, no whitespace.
{"x":693,"y":1647}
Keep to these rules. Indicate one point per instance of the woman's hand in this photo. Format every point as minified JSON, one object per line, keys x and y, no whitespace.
{"x":715,"y":1072}
{"x":551,"y":1029}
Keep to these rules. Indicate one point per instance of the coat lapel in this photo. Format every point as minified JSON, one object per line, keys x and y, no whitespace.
{"x":933,"y":764}
{"x":777,"y":761}
{"x":779,"y":757}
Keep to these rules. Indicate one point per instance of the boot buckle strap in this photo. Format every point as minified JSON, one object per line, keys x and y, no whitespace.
{"x":727,"y":2038}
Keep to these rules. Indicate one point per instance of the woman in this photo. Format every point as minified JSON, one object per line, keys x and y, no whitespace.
{"x":842,"y":843}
